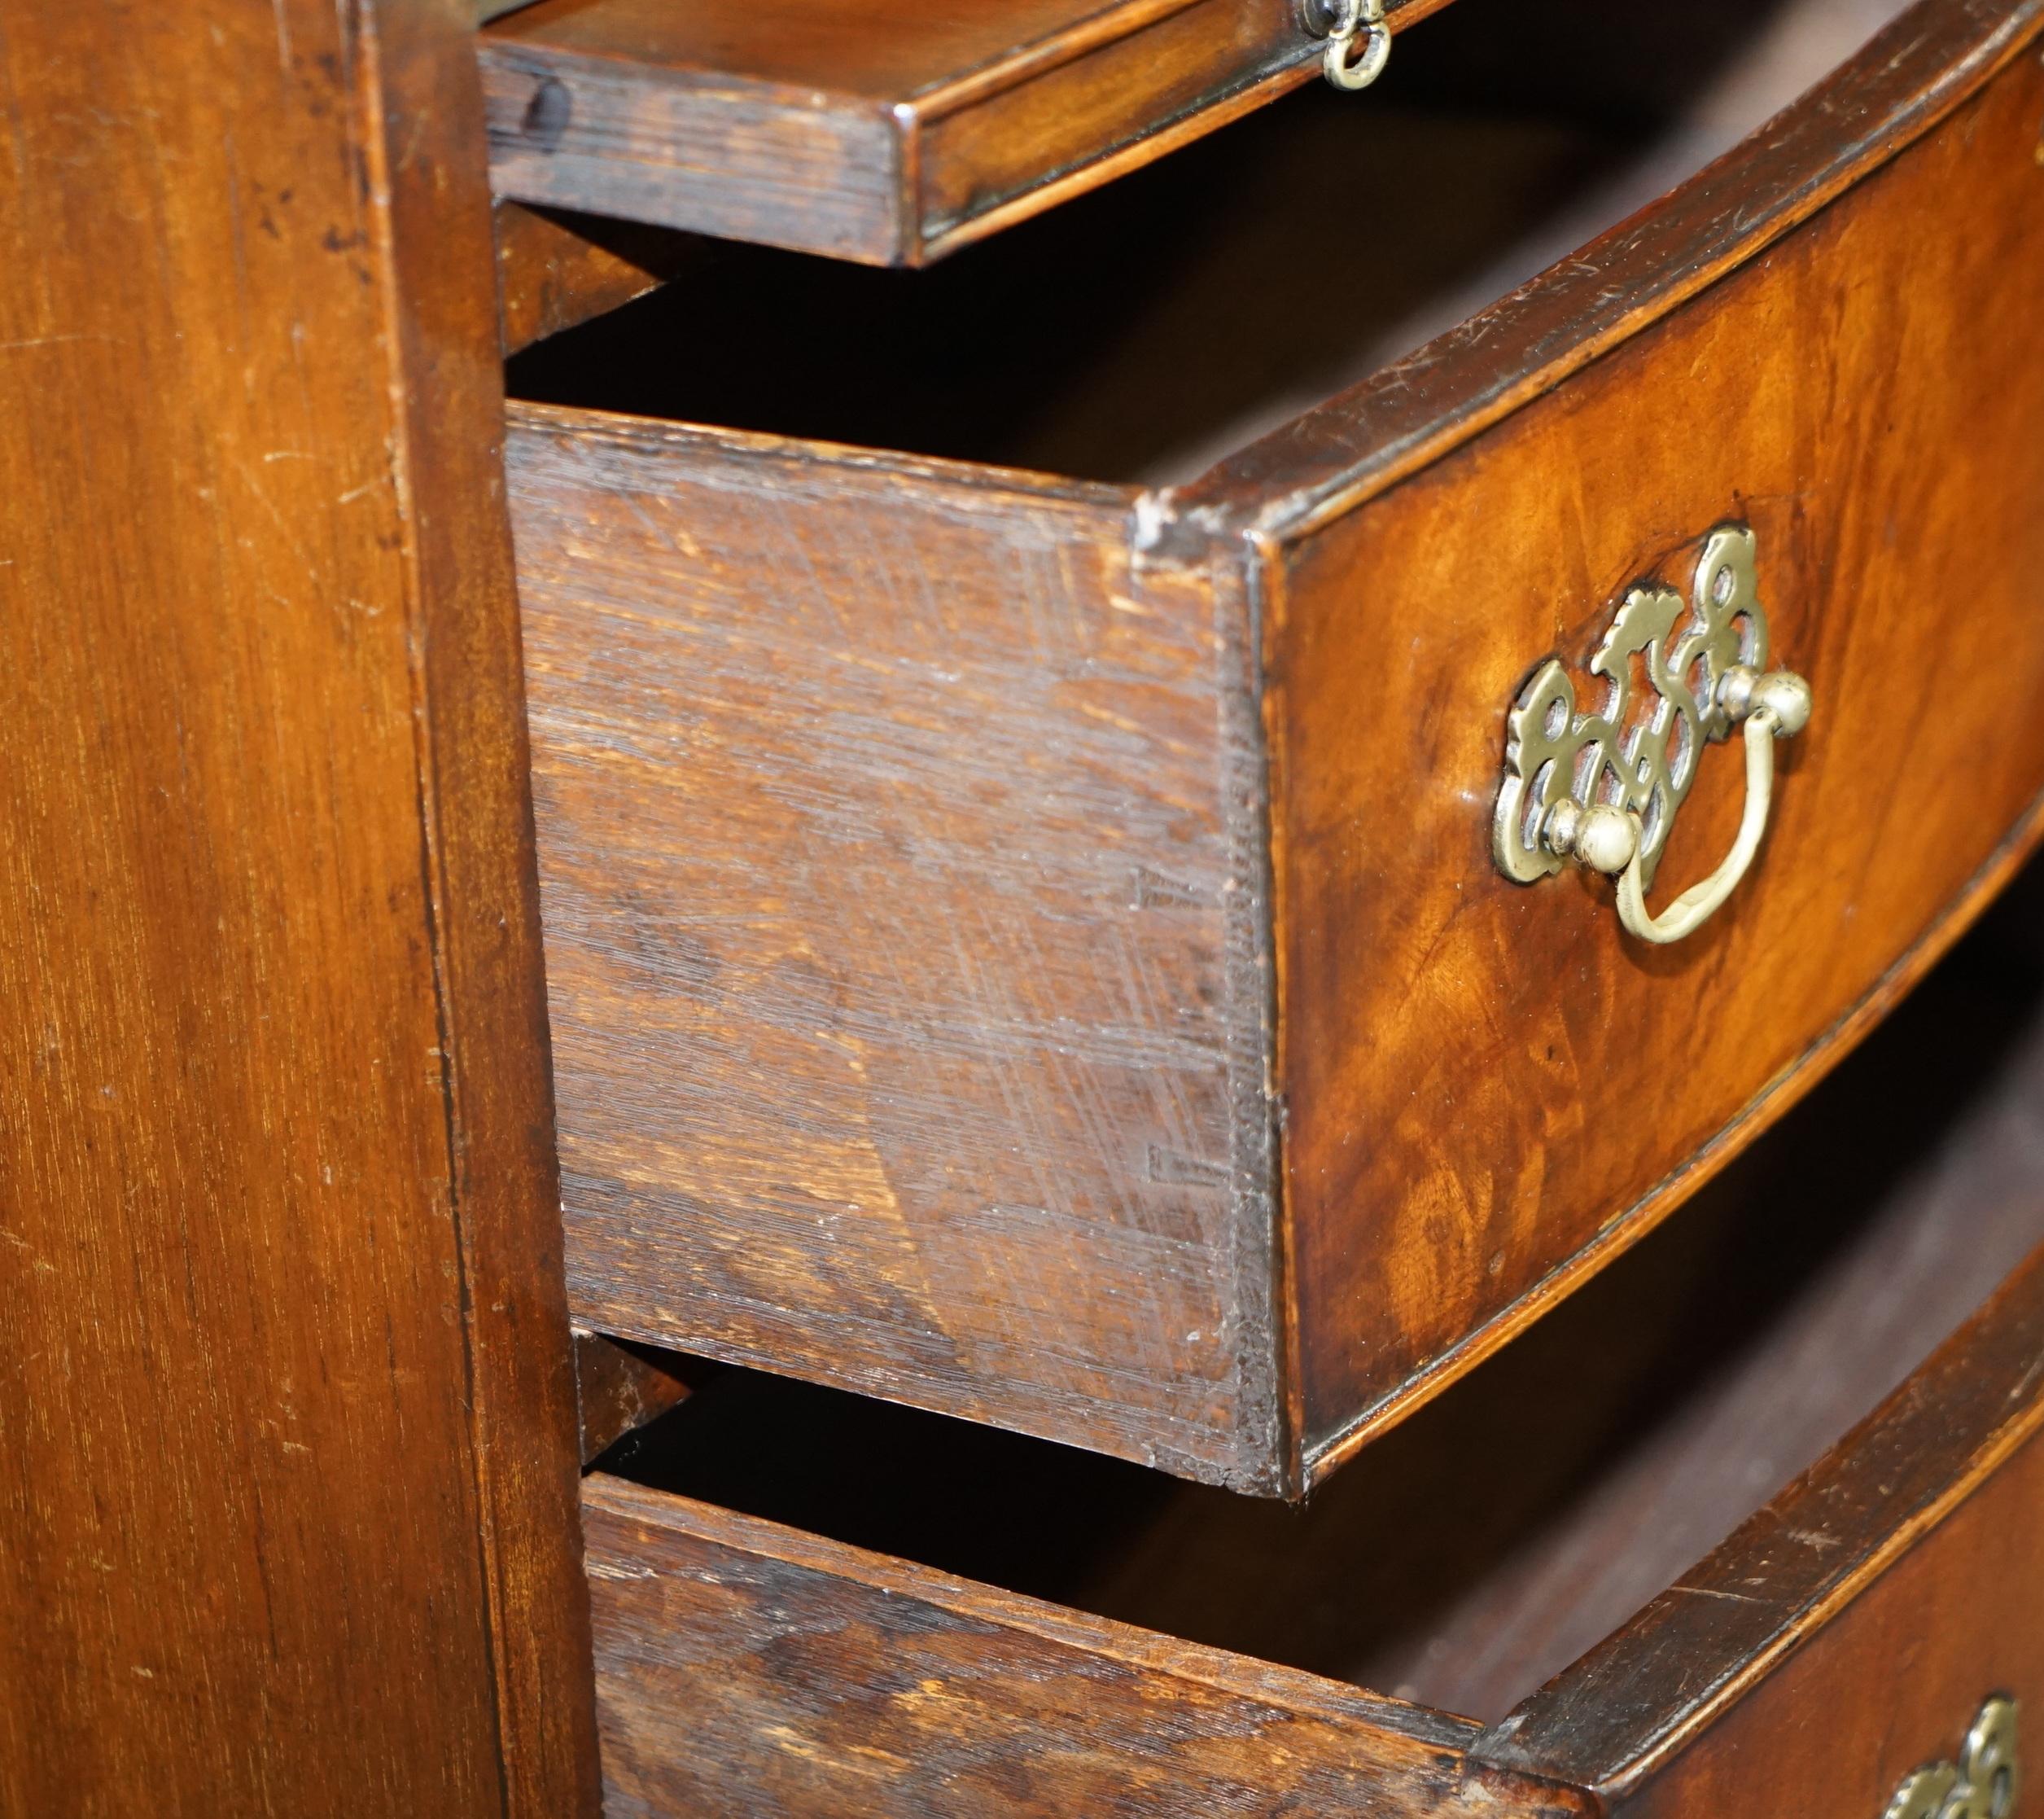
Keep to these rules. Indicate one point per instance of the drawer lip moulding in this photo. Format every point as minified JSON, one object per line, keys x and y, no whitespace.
{"x":1036,"y":949}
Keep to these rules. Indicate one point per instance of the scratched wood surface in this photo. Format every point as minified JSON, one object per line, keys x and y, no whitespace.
{"x":894,"y":799}
{"x":287,"y":1474}
{"x":886,"y":133}
{"x":747,"y":1669}
{"x":1590,"y":1081}
{"x":982,"y":898}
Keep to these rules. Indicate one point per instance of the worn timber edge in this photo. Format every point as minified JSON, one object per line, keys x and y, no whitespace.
{"x":634,"y":432}
{"x":1287,"y":485}
{"x":666,"y":143}
{"x":1640,"y":1696}
{"x":1053,"y":1623}
{"x":1269,"y":1423}
{"x":422,"y":161}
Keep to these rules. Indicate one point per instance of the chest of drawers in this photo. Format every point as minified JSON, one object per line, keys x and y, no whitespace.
{"x":1031,"y":962}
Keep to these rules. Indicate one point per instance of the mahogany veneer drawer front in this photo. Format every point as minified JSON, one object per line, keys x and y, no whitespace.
{"x":1872,"y":1641}
{"x":1037,"y":950}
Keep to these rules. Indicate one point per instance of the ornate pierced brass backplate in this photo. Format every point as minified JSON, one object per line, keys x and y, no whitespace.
{"x":1983,"y":1784}
{"x":1603,"y":785}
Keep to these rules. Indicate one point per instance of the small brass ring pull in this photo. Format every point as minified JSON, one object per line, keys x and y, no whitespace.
{"x":1601,"y":785}
{"x":1363,"y":20}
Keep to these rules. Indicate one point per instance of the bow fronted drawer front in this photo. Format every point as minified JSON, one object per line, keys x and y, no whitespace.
{"x":1187,"y":972}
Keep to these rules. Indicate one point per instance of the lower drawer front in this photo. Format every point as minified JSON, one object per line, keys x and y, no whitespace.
{"x":1852,"y":1692}
{"x":1848,"y":1637}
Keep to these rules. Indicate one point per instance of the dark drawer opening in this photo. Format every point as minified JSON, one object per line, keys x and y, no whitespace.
{"x":1469,"y":1556}
{"x":1140,"y":334}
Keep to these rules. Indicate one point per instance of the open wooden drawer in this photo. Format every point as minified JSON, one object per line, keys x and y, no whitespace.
{"x":1037,"y":948}
{"x":1176,"y":1650}
{"x":1851,"y":1634}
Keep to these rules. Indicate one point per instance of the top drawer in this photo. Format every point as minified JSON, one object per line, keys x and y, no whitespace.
{"x":1038,"y":950}
{"x":888,"y":131}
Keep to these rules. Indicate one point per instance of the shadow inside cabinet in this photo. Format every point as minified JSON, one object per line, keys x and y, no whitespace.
{"x":1142,"y":332}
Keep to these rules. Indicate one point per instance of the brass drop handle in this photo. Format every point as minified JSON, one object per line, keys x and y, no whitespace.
{"x":1608,"y":840}
{"x":1603,"y":787}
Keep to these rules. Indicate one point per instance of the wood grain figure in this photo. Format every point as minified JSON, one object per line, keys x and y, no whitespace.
{"x":1590,"y":1081}
{"x":287,"y":1469}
